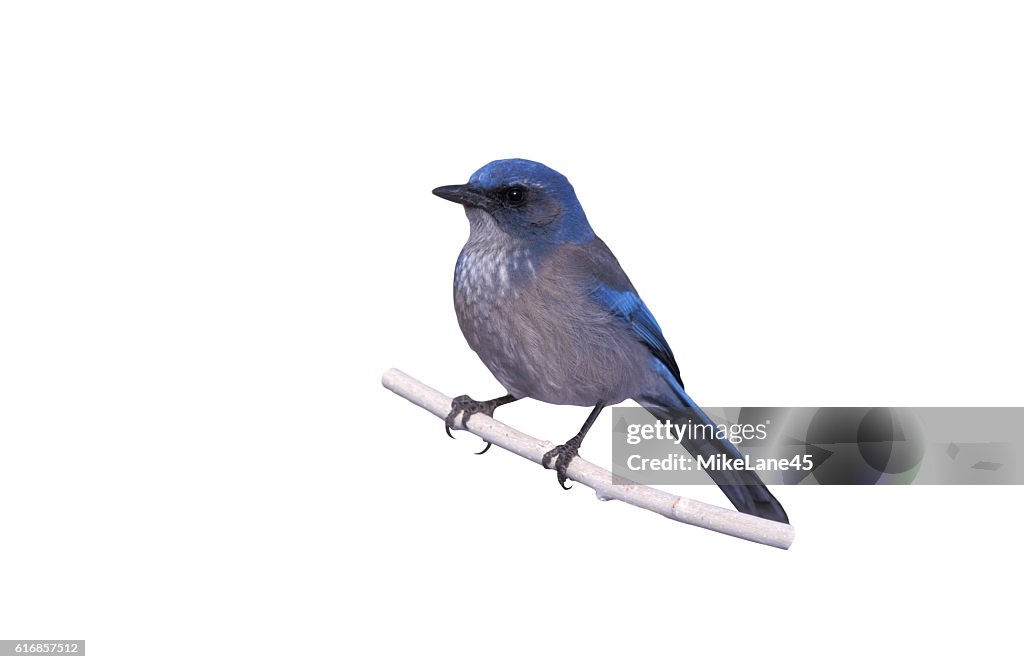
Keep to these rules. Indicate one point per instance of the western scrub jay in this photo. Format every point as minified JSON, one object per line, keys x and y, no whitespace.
{"x":546,"y":306}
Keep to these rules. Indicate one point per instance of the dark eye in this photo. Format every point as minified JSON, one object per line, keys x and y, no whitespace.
{"x":515,"y":194}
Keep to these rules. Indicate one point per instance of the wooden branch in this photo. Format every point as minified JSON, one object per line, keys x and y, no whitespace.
{"x":689,"y":511}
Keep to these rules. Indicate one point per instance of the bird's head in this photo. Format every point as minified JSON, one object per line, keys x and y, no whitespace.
{"x":526,"y":199}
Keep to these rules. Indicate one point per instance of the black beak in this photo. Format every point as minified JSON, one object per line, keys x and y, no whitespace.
{"x":465,"y":195}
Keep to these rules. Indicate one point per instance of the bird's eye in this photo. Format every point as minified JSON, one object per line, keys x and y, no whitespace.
{"x":515,"y":194}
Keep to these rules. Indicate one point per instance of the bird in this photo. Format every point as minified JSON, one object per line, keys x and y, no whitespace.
{"x":547,"y":307}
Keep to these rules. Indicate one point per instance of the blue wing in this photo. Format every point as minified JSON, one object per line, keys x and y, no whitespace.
{"x":628,"y":306}
{"x":595,"y":267}
{"x":609,"y":287}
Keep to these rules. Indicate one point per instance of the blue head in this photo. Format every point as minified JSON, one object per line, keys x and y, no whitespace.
{"x":526,"y":199}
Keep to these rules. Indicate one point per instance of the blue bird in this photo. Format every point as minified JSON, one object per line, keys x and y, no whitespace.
{"x":544,"y":303}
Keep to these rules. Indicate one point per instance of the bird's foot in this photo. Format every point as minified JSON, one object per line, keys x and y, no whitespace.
{"x":562,"y":455}
{"x":467,"y":406}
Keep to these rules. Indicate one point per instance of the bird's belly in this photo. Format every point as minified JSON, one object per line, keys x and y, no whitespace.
{"x":539,"y":343}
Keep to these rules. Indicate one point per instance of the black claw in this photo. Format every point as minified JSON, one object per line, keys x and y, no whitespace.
{"x":459,"y":405}
{"x":560,"y":468}
{"x":467,"y":406}
{"x":562,"y":455}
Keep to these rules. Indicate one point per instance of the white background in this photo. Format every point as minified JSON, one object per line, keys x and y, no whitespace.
{"x":217,"y":232}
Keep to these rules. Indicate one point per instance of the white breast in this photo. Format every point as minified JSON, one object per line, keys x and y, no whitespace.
{"x":491,"y":260}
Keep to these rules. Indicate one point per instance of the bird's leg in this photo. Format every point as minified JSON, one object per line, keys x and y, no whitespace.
{"x":564,"y":454}
{"x":467,"y":406}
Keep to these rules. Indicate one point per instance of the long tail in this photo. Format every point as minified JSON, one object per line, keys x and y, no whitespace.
{"x":744,"y":488}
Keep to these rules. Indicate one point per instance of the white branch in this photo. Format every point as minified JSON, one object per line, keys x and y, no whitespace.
{"x":689,"y":511}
